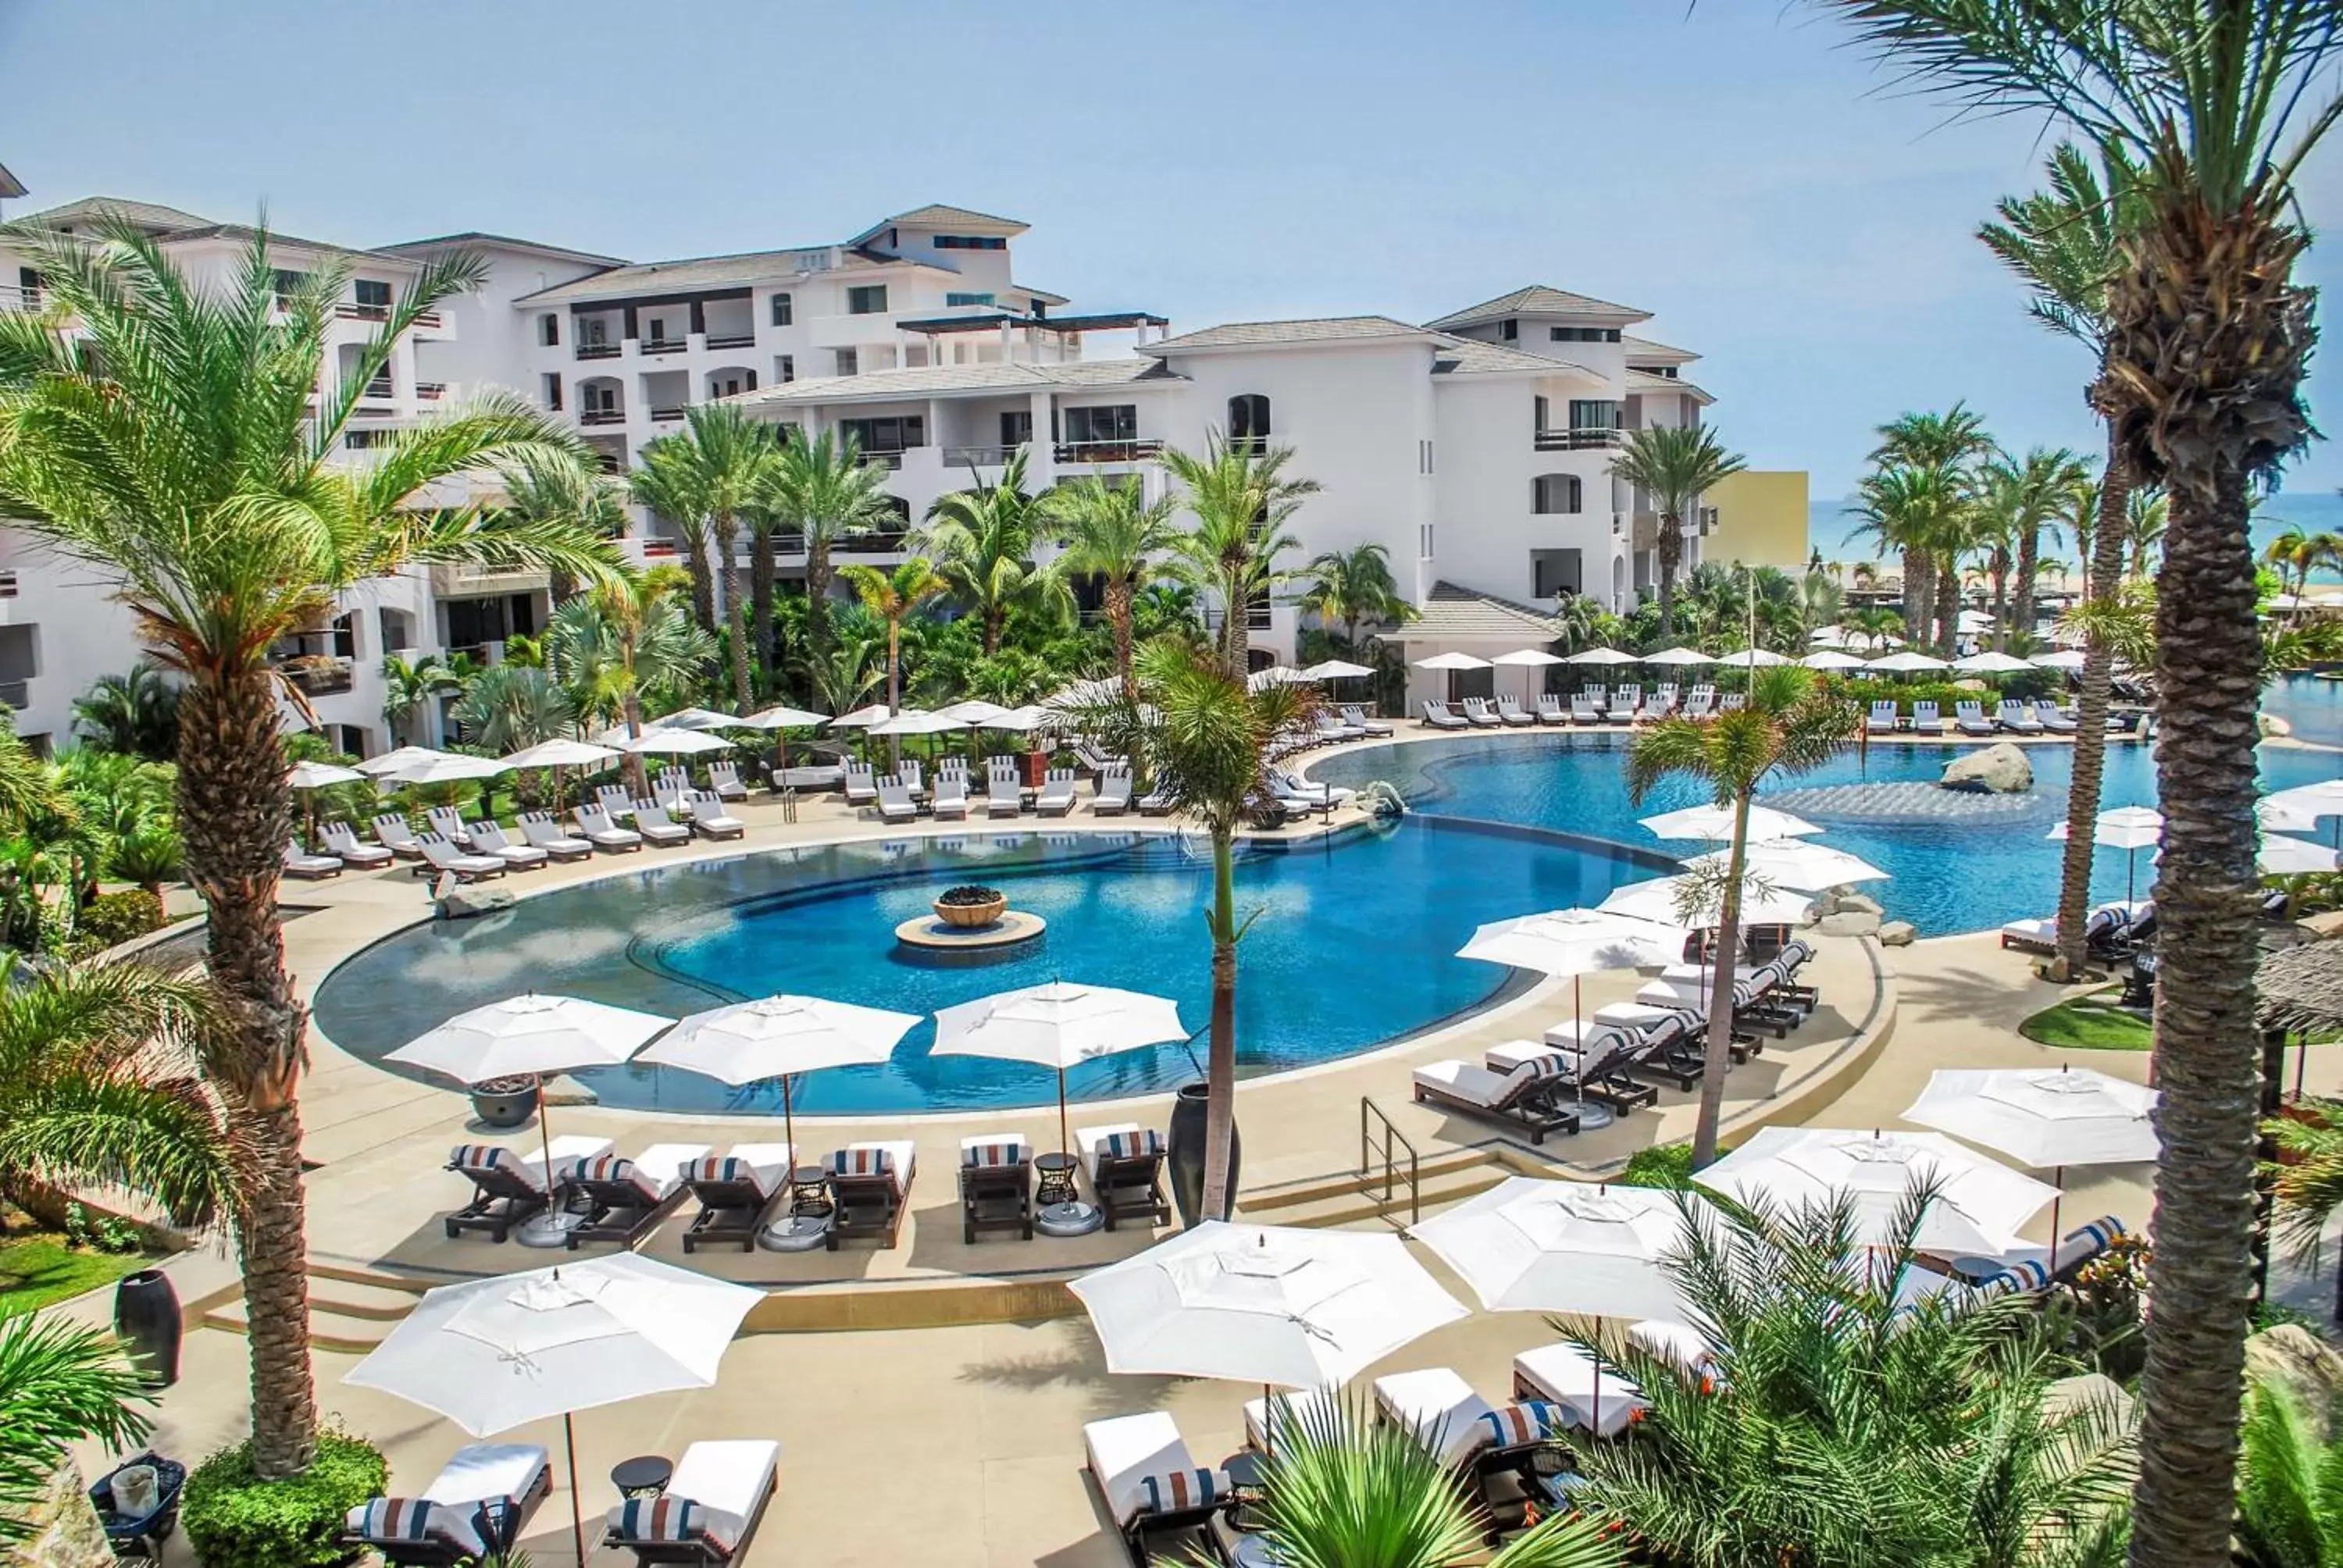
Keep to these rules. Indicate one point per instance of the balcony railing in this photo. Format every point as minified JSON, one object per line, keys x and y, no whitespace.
{"x":666,"y":414}
{"x":872,"y":544}
{"x":427,"y":318}
{"x":353,"y":310}
{"x":603,"y":416}
{"x":1108,"y":451}
{"x":598,"y":351}
{"x":889,"y":460}
{"x":1585,"y":438}
{"x":431,"y":391}
{"x":15,"y":298}
{"x":664,"y":345}
{"x":733,"y":340}
{"x":978,"y":457}
{"x":16,"y":694}
{"x":378,"y":388}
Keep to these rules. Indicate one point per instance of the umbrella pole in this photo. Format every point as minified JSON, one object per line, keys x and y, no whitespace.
{"x":1578,"y":1032}
{"x":2131,"y":864}
{"x":2059,"y":1180}
{"x":1064,"y":1144}
{"x":577,"y":1519}
{"x":789,"y":1121}
{"x":544,"y":1137}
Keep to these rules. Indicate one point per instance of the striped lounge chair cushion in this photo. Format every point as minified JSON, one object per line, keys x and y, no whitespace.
{"x":862,"y":1162}
{"x":1130,"y":1145}
{"x":481,"y":1157}
{"x":719,"y":1167}
{"x":411,"y":1520}
{"x":2089,"y":1242}
{"x":2018,"y":1278}
{"x":612,"y":1168}
{"x":667,"y":1517}
{"x":1177,"y":1491}
{"x":1001,"y":1151}
{"x":1511,"y":1425}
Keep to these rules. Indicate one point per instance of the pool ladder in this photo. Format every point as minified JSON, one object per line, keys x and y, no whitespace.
{"x":1382,"y":1144}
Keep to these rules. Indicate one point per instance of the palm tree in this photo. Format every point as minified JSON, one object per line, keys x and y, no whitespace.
{"x":705,"y":478}
{"x":510,"y":706}
{"x":1841,"y":1429}
{"x":824,"y":489}
{"x":2146,"y":514}
{"x":1789,"y":725}
{"x":409,"y":686}
{"x":1354,"y":585}
{"x":1343,"y":1490}
{"x":2290,"y":1485}
{"x":1674,"y":467}
{"x":136,"y":714}
{"x":1205,"y":739}
{"x":61,"y":1383}
{"x":1945,"y":446}
{"x":1241,"y":500}
{"x":187,"y":442}
{"x":1111,"y":532}
{"x":892,"y":596}
{"x":627,"y":639}
{"x":562,"y":488}
{"x":982,"y":542}
{"x":2028,"y":497}
{"x":1914,"y":508}
{"x":2207,"y":338}
{"x":844,"y":678}
{"x":1875,"y":624}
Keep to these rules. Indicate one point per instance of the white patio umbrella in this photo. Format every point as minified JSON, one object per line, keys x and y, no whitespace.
{"x":404,"y":757}
{"x":1275,"y":675}
{"x":496,"y":1353}
{"x":2280,"y":856}
{"x":318,"y":775}
{"x":2068,"y":658}
{"x":778,"y":1037}
{"x":1715,"y":823}
{"x":1603,"y":656}
{"x":863,"y":718}
{"x":2311,"y":801}
{"x":1761,"y":902}
{"x":1577,"y":942}
{"x":1973,"y":620}
{"x":1908,"y":662}
{"x":1451,"y":662}
{"x":1832,"y":659}
{"x":781,"y":719}
{"x":1979,"y":1207}
{"x":916,"y":721}
{"x":2274,"y":815}
{"x":1057,"y":1025}
{"x":560,"y":754}
{"x":1794,"y":863}
{"x":1277,"y":1305}
{"x":1680,"y":657}
{"x":1030,"y":717}
{"x":665,"y":742}
{"x":696,"y":719}
{"x":2130,"y":829}
{"x":1991,"y":663}
{"x":975,"y":710}
{"x":2054,"y":1117}
{"x":1753,"y":658}
{"x":1526,"y":658}
{"x":450,"y":767}
{"x":1337,"y":669}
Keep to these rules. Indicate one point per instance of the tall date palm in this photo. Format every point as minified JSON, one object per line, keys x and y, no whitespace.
{"x":1113,"y":533}
{"x":1674,"y":466}
{"x":982,"y":541}
{"x":822,"y":488}
{"x":1242,"y":500}
{"x":185,"y":442}
{"x":1354,"y":585}
{"x":706,"y":476}
{"x":2207,"y":338}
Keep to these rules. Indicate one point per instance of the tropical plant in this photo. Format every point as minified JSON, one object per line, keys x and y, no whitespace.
{"x":627,"y":639}
{"x":1835,"y":1427}
{"x":2295,"y":555}
{"x":823,"y":490}
{"x":1241,"y":497}
{"x":982,"y":542}
{"x":135,"y":714}
{"x":1790,"y":723}
{"x":510,"y":706}
{"x":1918,"y":509}
{"x":1341,"y":1489}
{"x":60,"y":1384}
{"x":1349,"y":588}
{"x":2290,"y":1485}
{"x":233,"y":1513}
{"x":187,"y":442}
{"x":1674,"y":466}
{"x":2208,"y":337}
{"x":1111,"y":532}
{"x":149,"y":854}
{"x":1582,"y":622}
{"x":1205,"y":739}
{"x":2026,"y":500}
{"x":891,"y":596}
{"x":845,"y":676}
{"x":561,"y":489}
{"x":1875,"y":624}
{"x":2147,"y":513}
{"x":409,"y":686}
{"x":705,"y":478}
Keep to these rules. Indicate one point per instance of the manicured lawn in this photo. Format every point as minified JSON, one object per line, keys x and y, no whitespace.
{"x":37,"y":1269}
{"x":2088,"y":1023}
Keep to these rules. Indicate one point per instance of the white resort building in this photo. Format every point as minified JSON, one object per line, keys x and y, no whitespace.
{"x":1475,"y":448}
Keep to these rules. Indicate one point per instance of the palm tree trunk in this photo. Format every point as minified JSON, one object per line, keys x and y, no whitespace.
{"x":2001,"y":603}
{"x":994,"y":620}
{"x":736,"y":607}
{"x":761,"y":602}
{"x":1916,"y":596}
{"x":1236,"y":641}
{"x":1220,"y":1066}
{"x":637,"y":774}
{"x":1118,"y":615}
{"x":1948,"y":606}
{"x":236,"y":812}
{"x":703,"y":581}
{"x":2104,"y":576}
{"x":894,"y":687}
{"x":1719,"y":1059}
{"x":2029,"y":561}
{"x":1670,"y":551}
{"x":817,"y":596}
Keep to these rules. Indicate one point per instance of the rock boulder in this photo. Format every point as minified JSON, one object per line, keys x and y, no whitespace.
{"x":2272,"y":726}
{"x":469,"y":902}
{"x":1849,"y":923}
{"x":1998,"y":770}
{"x":1898,"y":934}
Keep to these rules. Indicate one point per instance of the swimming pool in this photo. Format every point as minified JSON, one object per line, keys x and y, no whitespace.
{"x":1945,"y":876}
{"x":1353,"y":946}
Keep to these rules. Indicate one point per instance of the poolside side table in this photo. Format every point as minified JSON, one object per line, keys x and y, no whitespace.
{"x":804,"y":1222}
{"x":1058,"y":1206}
{"x":646,"y":1476}
{"x":810,"y":1190}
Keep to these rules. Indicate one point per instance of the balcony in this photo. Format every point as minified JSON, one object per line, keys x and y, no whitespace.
{"x":978,"y":457}
{"x":598,"y":350}
{"x":877,"y":544}
{"x":1586,"y":438}
{"x":668,"y":413}
{"x":465,"y":581}
{"x":317,"y":673}
{"x":1108,"y":451}
{"x":14,"y":298}
{"x":890,"y":461}
{"x":16,"y":694}
{"x":431,"y":391}
{"x":733,"y":340}
{"x":664,"y":345}
{"x":377,"y":390}
{"x":350,"y":310}
{"x":602,"y":416}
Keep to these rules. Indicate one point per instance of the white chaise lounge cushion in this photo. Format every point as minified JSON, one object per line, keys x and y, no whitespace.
{"x":1438,"y":1406}
{"x":1124,"y":1450}
{"x":1566,"y":1375}
{"x":1309,"y":1407}
{"x":483,"y":1472}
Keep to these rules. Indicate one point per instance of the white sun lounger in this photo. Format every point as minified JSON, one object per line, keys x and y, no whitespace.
{"x":1440,"y":716}
{"x":1882,"y":721}
{"x":708,"y":818}
{"x":1970,"y":717}
{"x":862,"y":784}
{"x":950,"y":803}
{"x":1479,"y":715}
{"x":1057,"y":796}
{"x":1305,"y":1406}
{"x":1926,"y":718}
{"x":1585,"y":708}
{"x":2017,"y":718}
{"x":1700,"y":703}
{"x":1146,"y":1476}
{"x":489,"y":839}
{"x":345,"y":846}
{"x":448,"y":823}
{"x":1438,"y":1407}
{"x":1625,"y":703}
{"x":544,"y":833}
{"x":895,"y":802}
{"x":1549,"y":709}
{"x":440,"y":855}
{"x":652,"y":822}
{"x":615,"y":803}
{"x":1356,"y":716}
{"x":730,"y":1480}
{"x":300,"y":862}
{"x":395,"y":833}
{"x":1663,"y":700}
{"x":1004,"y":796}
{"x":1114,"y":797}
{"x":1565,"y":1375}
{"x":724,"y":778}
{"x":603,"y":834}
{"x":2056,"y":721}
{"x":1511,"y":710}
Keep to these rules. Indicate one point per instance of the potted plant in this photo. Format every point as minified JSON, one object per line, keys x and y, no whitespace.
{"x":504,"y":1101}
{"x":971,"y":908}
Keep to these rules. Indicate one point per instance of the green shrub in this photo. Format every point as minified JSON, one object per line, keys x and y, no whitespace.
{"x":232,"y":1517}
{"x":1663,"y":1165}
{"x":113,"y":918}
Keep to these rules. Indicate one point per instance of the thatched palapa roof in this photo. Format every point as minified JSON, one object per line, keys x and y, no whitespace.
{"x":2301,"y":988}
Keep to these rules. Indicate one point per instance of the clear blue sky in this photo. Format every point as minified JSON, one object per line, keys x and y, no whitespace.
{"x":1739,"y":171}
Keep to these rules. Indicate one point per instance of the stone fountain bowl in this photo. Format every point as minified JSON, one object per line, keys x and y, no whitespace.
{"x":959,"y":908}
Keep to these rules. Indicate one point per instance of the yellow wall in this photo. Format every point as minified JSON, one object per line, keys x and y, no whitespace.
{"x":1761,"y":520}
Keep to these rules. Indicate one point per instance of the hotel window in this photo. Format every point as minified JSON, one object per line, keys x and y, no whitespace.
{"x":848,"y":363}
{"x":731,"y":384}
{"x":1551,"y":494}
{"x":1540,"y":414}
{"x":373,"y":299}
{"x":602,"y":398}
{"x":553,"y":392}
{"x":1016,"y":426}
{"x":289,"y":284}
{"x":1115,"y":423}
{"x":898,"y":433}
{"x":867,"y":300}
{"x":1593,"y":414}
{"x":1423,"y":541}
{"x":953,"y":299}
{"x":1509,"y":330}
{"x":785,"y":368}
{"x":1584,"y":333}
{"x":658,"y":330}
{"x":784,"y":314}
{"x":548,"y":330}
{"x":971,"y":242}
{"x":1248,"y":422}
{"x":28,"y":280}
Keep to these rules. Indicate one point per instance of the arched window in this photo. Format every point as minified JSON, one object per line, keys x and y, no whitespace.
{"x":1555,"y":493}
{"x":1248,"y":422}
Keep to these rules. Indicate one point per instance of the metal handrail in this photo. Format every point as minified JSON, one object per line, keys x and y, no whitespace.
{"x":1581,"y":438}
{"x":1393,"y":1140}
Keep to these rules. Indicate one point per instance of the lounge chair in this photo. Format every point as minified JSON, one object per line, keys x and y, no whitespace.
{"x":1882,"y":721}
{"x":624,"y":1198}
{"x":671,"y":781}
{"x":489,"y":839}
{"x":950,"y":801}
{"x":1511,"y":710}
{"x":1328,"y":730}
{"x":707,"y":1514}
{"x":870,"y":1189}
{"x":1151,"y":1486}
{"x":300,"y":862}
{"x":724,"y":778}
{"x":615,"y":803}
{"x":1286,"y":782}
{"x":1479,"y":715}
{"x":1602,"y":696}
{"x":1437,"y":1408}
{"x":1926,"y":719}
{"x":544,"y":833}
{"x":343,"y":846}
{"x":1592,"y":1058}
{"x":394,"y":833}
{"x":1586,"y":709}
{"x":448,"y":823}
{"x":1126,"y":1169}
{"x":1969,"y":716}
{"x":1549,"y":709}
{"x":1302,"y":1407}
{"x":2053,"y":718}
{"x":1679,"y":1346}
{"x":604,"y":834}
{"x":1732,"y":702}
{"x":653,"y":823}
{"x":1675,"y":1049}
{"x":1625,"y":704}
{"x":1439,"y":716}
{"x":895,"y":802}
{"x":736,"y":1191}
{"x":1663,"y":700}
{"x":2104,"y":922}
{"x":440,"y":855}
{"x":1522,"y":1098}
{"x":475,"y":1508}
{"x":1356,"y":717}
{"x":1004,"y":795}
{"x":1599,"y":1401}
{"x":509,"y":1185}
{"x":816,"y":777}
{"x":705,"y":814}
{"x":1114,"y":797}
{"x":862,"y":784}
{"x":1057,"y":798}
{"x":912,"y":778}
{"x":1156,"y":803}
{"x":996,"y":1186}
{"x":1700,"y":703}
{"x":2017,"y":718}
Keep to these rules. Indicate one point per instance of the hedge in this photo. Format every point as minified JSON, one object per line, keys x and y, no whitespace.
{"x":235,"y":1520}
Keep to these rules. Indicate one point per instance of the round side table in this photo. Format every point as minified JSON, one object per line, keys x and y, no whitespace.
{"x":805,"y":1223}
{"x":1058,"y":1207}
{"x":646,"y":1476}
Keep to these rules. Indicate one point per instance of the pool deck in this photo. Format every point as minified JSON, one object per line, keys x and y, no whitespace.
{"x":972,"y":1423}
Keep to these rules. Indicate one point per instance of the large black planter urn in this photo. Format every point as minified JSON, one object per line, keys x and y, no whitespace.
{"x":1187,"y":1154}
{"x":504,"y":1102}
{"x":147,"y":1317}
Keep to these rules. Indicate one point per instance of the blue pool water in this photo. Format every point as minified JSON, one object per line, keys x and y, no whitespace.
{"x":1354,"y":946}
